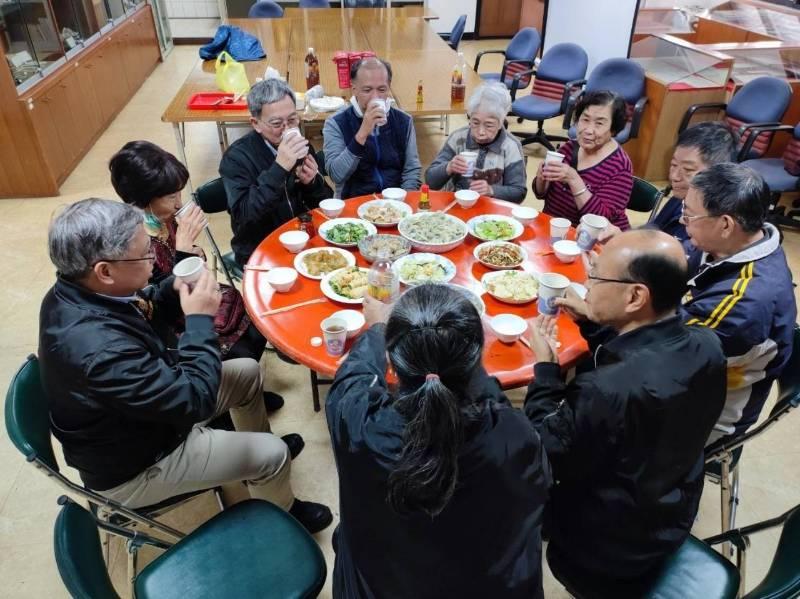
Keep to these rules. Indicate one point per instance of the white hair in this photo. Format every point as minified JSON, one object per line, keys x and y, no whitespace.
{"x":492,"y":98}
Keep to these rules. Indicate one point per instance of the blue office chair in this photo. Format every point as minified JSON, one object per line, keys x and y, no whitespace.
{"x":364,"y":3}
{"x":265,"y":9}
{"x":519,"y":56}
{"x":453,"y":39}
{"x":624,"y":77}
{"x":315,"y":4}
{"x":558,"y":76}
{"x":762,"y":101}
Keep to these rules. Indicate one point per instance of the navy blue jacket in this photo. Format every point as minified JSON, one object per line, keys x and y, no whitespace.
{"x":668,"y":217}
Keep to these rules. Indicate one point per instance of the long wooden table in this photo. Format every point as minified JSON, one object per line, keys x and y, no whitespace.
{"x":400,"y":35}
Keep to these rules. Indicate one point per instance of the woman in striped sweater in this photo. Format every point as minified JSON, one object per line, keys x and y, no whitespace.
{"x":595,"y":176}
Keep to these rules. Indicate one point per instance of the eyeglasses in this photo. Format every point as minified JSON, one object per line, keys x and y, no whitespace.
{"x":685,"y":219}
{"x":488,"y":127}
{"x":605,"y":280}
{"x":148,"y":257}
{"x":292,"y":121}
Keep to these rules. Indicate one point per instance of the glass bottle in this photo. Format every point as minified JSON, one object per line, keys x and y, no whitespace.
{"x":457,"y":87}
{"x":306,"y":223}
{"x":382,"y":281}
{"x":424,"y":200}
{"x":312,"y":69}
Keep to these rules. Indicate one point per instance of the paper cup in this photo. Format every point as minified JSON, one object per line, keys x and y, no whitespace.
{"x":552,"y":156}
{"x":334,"y":334}
{"x":189,"y":270}
{"x":551,"y":286}
{"x":558,"y":228}
{"x":591,"y":227}
{"x":291,"y":132}
{"x":470,"y":158}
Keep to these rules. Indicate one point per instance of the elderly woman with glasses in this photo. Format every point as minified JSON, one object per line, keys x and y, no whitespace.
{"x":499,"y":168}
{"x":271,"y":174}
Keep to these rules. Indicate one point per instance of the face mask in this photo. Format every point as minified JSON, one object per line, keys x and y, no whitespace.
{"x":151,"y":221}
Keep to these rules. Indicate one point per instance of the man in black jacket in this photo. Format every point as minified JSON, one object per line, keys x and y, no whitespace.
{"x":626,"y":436}
{"x":269,"y":178}
{"x":128,"y":411}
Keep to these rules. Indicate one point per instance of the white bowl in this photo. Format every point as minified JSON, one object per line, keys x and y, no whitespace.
{"x":394,"y":193}
{"x":425,"y":246}
{"x":524,"y":214}
{"x":355,"y":321}
{"x":293,"y":241}
{"x":508,"y":327}
{"x":566,"y":250}
{"x":466,"y":198}
{"x":282,"y":279}
{"x":332,"y":207}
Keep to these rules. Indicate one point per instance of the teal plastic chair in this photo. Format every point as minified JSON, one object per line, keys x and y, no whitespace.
{"x":212,"y":199}
{"x":251,"y":550}
{"x":645,"y":197}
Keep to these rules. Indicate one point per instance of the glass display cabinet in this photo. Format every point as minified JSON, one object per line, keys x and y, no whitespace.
{"x":680,"y":65}
{"x":671,"y":21}
{"x":30,"y":39}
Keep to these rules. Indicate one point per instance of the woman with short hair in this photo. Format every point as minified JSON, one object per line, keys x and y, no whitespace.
{"x":442,"y":483}
{"x":500,"y":165}
{"x":596,"y":175}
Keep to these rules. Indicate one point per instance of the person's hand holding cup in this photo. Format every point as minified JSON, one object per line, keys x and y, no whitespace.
{"x":592,"y":225}
{"x":458,"y":165}
{"x":552,"y":285}
{"x":470,"y":158}
{"x":292,"y":149}
{"x":202,"y":295}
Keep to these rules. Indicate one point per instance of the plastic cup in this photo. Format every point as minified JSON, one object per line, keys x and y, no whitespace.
{"x":470,"y":157}
{"x":189,"y":270}
{"x":552,"y":156}
{"x":558,"y":228}
{"x":185,"y":208}
{"x":591,"y":227}
{"x":551,"y":286}
{"x":334,"y":334}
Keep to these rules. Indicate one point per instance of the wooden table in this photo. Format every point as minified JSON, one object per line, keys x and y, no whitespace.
{"x":292,"y":331}
{"x":361,"y":14}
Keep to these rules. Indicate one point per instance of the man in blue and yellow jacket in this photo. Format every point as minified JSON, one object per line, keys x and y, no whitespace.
{"x":740,"y":286}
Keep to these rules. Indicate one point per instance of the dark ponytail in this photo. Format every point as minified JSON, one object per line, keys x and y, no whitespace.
{"x":435,"y":339}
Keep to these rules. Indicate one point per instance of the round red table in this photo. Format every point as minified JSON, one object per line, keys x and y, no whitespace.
{"x":291,"y":331}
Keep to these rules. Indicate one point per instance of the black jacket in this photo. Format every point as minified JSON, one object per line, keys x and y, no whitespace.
{"x":485,"y":543}
{"x":625,"y":440}
{"x":119,"y":400}
{"x":261,"y":195}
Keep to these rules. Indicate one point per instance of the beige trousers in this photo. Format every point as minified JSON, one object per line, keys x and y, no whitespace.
{"x":209,"y":457}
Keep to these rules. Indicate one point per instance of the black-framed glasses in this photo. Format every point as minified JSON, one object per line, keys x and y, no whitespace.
{"x":148,"y":257}
{"x":605,"y":280}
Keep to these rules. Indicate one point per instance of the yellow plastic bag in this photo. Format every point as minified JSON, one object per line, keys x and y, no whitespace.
{"x":231,"y":76}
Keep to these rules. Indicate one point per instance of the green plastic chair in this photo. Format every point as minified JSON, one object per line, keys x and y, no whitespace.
{"x":212,"y":199}
{"x":645,"y":197}
{"x":251,"y":550}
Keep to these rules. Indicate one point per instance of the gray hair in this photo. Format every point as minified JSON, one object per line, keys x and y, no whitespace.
{"x":267,"y":91}
{"x":735,"y":190}
{"x":492,"y":98}
{"x":89,"y":231}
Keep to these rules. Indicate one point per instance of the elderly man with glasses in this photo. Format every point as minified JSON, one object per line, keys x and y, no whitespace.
{"x":625,"y":437}
{"x":740,"y":287}
{"x":269,"y":177}
{"x":130,"y":412}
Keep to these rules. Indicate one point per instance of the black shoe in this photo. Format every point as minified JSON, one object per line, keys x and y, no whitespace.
{"x":295,"y":443}
{"x":272,"y":401}
{"x":313,"y":516}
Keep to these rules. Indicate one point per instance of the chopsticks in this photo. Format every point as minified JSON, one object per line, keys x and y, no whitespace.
{"x":449,"y":206}
{"x":258,"y":267}
{"x":525,"y":341}
{"x":319,"y":300}
{"x":321,"y":213}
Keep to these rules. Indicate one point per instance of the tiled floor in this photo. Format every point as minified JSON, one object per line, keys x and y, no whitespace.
{"x":770,"y":483}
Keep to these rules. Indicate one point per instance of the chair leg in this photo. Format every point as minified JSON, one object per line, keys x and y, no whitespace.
{"x":105,"y":538}
{"x":725,"y":501}
{"x":218,"y":496}
{"x":734,"y":499}
{"x":315,"y":390}
{"x":133,"y":550}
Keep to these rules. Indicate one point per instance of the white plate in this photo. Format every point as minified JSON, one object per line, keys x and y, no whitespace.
{"x":404,"y":209}
{"x":489,"y":276}
{"x":449,"y":267}
{"x":327,"y":290}
{"x":472,"y":296}
{"x":326,"y":103}
{"x":329,"y":224}
{"x":516,"y":226}
{"x":300,"y":266}
{"x":427,"y":246}
{"x":477,"y":251}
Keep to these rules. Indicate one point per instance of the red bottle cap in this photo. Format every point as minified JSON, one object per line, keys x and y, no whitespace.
{"x":424,"y":189}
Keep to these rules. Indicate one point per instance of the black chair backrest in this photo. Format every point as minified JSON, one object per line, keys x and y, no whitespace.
{"x":644,"y":196}
{"x":211,"y":197}
{"x":28,"y":415}
{"x":789,"y":381}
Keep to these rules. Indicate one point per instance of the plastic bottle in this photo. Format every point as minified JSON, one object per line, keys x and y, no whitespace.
{"x":306,"y":223}
{"x":420,"y":97}
{"x":424,"y":200}
{"x":312,"y":69}
{"x":457,"y":87}
{"x":382,"y":282}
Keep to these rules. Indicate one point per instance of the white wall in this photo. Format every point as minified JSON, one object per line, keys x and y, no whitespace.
{"x":449,"y":11}
{"x":192,"y":9}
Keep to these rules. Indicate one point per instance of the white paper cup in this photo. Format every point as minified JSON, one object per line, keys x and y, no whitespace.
{"x":189,"y":270}
{"x":551,"y":286}
{"x":591,"y":227}
{"x":558,"y":228}
{"x":334,"y":334}
{"x":470,"y":157}
{"x":290,"y":132}
{"x":552,"y":156}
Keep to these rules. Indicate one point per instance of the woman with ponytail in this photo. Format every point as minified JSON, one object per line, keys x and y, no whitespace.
{"x":442,"y":482}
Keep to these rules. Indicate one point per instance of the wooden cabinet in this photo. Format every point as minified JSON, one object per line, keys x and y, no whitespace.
{"x":499,"y":18}
{"x":58,"y":120}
